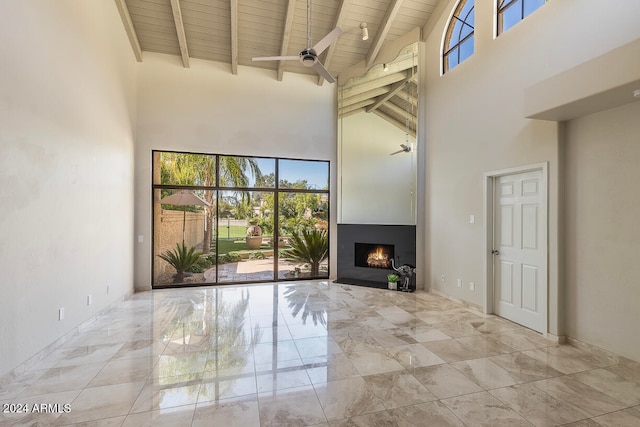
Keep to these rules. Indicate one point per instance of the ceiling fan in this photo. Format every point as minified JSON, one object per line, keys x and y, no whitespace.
{"x":405,"y":149}
{"x":309,"y":56}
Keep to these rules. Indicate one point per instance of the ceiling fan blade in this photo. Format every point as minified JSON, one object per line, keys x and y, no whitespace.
{"x":323,"y":72}
{"x":327,"y":40}
{"x":276,"y":58}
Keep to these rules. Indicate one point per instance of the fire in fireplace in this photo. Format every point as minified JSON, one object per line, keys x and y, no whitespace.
{"x":373,"y":255}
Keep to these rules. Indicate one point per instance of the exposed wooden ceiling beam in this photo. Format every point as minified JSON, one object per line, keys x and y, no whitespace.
{"x":383,"y":30}
{"x":408,"y":96}
{"x":388,"y":53}
{"x":378,"y":72}
{"x":339,"y":22}
{"x":234,"y":36}
{"x":357,"y":106}
{"x":372,"y":94}
{"x":394,"y":122}
{"x":286,"y":36}
{"x":395,"y":109}
{"x":372,"y":84}
{"x":351,"y":113}
{"x":130,"y":30}
{"x":395,"y":89}
{"x":182,"y":37}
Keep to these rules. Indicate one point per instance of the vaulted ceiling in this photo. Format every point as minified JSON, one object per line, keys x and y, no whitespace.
{"x":235,"y":31}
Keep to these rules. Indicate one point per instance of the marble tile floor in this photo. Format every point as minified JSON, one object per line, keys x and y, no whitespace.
{"x":316,"y":353}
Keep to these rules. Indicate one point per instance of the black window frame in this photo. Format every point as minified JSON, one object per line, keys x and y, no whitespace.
{"x":219,"y":188}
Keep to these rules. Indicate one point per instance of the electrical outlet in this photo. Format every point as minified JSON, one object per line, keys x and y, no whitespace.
{"x":459,"y":283}
{"x":443,"y":278}
{"x":472,"y":286}
{"x":61,"y":313}
{"x":89,"y":299}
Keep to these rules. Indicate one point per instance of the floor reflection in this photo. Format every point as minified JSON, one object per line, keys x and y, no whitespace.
{"x":314,"y":352}
{"x":232,"y":342}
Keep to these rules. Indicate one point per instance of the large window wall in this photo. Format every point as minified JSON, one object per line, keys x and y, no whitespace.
{"x":221,"y":219}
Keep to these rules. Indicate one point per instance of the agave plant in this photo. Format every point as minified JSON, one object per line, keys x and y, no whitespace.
{"x":181,"y":259}
{"x":309,"y":246}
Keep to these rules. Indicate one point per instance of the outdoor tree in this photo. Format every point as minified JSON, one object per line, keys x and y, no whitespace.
{"x":199,"y":170}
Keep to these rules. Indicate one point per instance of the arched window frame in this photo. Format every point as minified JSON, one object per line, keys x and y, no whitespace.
{"x":523,"y":8}
{"x":454,"y":38}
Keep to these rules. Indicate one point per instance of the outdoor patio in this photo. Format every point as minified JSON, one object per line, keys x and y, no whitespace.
{"x":244,"y":271}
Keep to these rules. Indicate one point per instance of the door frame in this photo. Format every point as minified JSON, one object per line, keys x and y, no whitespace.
{"x":489,"y":179}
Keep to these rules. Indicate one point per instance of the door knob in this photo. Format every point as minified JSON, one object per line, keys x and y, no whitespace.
{"x":495,"y":252}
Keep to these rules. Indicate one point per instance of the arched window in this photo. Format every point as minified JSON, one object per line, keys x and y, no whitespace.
{"x":458,"y":40}
{"x":510,"y":12}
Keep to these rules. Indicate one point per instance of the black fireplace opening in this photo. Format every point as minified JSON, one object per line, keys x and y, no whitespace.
{"x":373,"y":255}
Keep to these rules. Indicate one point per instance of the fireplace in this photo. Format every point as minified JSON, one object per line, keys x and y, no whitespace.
{"x":373,"y":255}
{"x":385,"y":241}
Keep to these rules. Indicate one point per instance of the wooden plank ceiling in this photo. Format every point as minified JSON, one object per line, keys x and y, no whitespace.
{"x":235,"y":31}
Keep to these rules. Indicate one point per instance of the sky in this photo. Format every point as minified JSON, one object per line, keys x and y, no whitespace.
{"x":316,"y":173}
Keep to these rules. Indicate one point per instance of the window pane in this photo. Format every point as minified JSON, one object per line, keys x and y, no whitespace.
{"x":245,"y":236}
{"x":183,"y":217}
{"x":451,"y":60}
{"x":469,"y":18}
{"x":455,"y":35}
{"x":466,"y":49}
{"x":184,"y":169}
{"x":468,"y":5}
{"x":466,"y":30}
{"x":511,"y":16}
{"x":304,"y":215}
{"x":267,"y":178}
{"x":531,"y":5}
{"x":245,"y":172}
{"x":303,"y":174}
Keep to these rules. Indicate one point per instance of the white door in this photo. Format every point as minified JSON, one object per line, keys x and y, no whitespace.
{"x":520,"y":249}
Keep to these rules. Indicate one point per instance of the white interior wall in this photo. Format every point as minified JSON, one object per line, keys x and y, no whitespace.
{"x":375,"y":188}
{"x":601,"y":228}
{"x":207,"y":109}
{"x":67,"y":120}
{"x":474,"y":124}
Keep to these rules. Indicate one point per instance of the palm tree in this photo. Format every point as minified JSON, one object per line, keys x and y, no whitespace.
{"x":233,"y":171}
{"x":199,"y":169}
{"x":309,"y":246}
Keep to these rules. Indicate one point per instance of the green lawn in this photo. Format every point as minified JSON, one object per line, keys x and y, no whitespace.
{"x":233,"y":231}
{"x":226,"y":246}
{"x":235,"y":240}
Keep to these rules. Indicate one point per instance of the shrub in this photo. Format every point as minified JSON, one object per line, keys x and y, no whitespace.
{"x":309,"y":246}
{"x":230,"y":257}
{"x":201,"y":266}
{"x":181,"y":259}
{"x":257,"y":255}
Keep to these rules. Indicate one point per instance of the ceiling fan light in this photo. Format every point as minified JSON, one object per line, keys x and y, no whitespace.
{"x":365,"y":31}
{"x":308,"y":57}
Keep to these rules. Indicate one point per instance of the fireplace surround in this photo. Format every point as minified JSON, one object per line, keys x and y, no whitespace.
{"x":395,"y":241}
